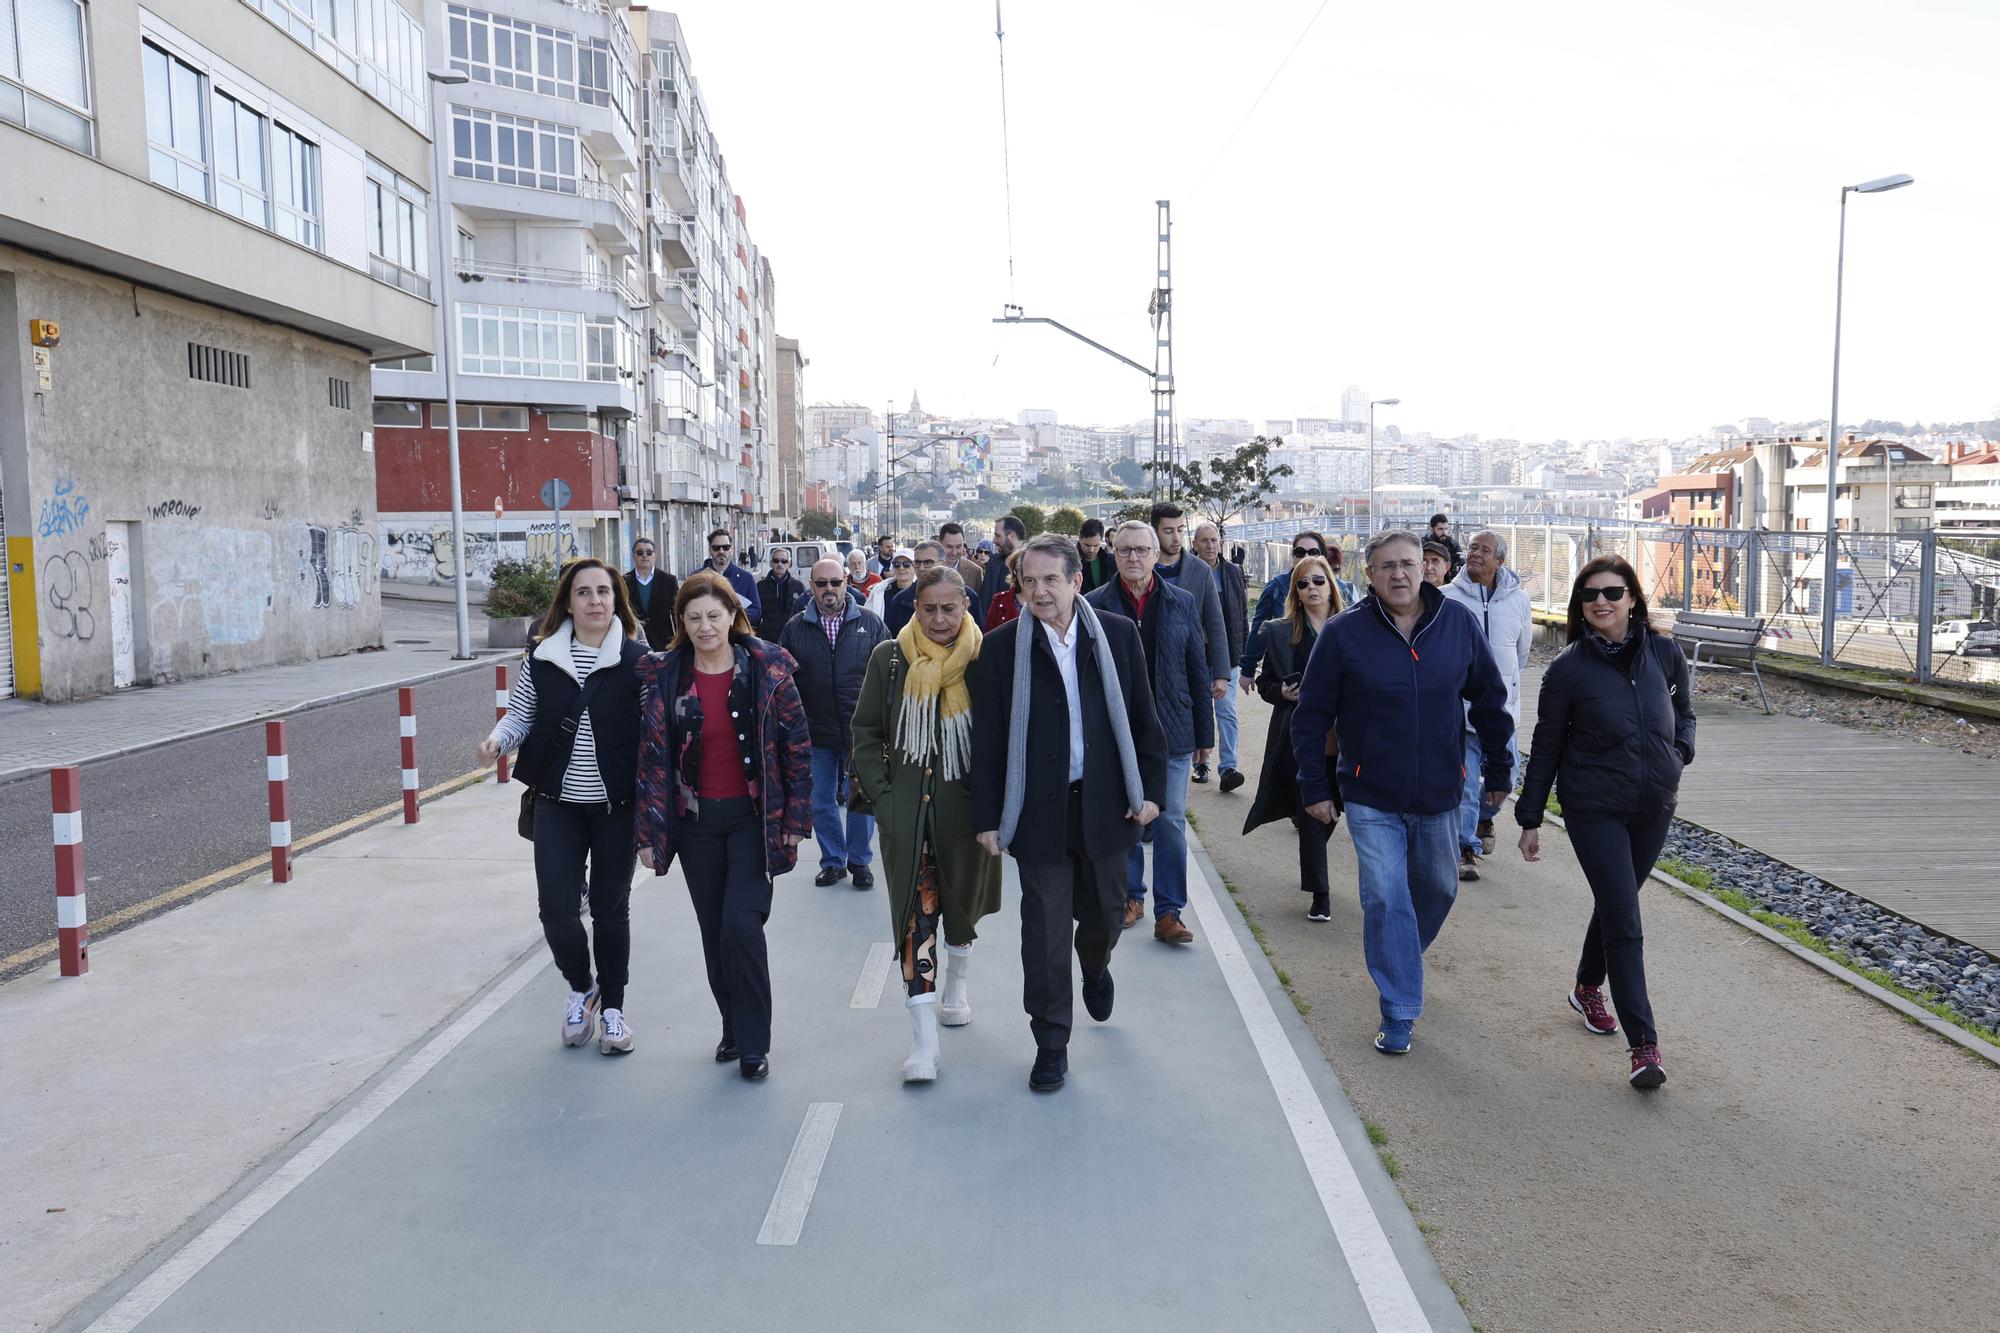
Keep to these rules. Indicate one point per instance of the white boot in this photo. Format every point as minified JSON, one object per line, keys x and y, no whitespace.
{"x":921,"y":1067}
{"x":955,"y":1010}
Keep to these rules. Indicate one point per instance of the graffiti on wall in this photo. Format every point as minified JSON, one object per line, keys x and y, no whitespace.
{"x":331,"y":567}
{"x":209,"y":586}
{"x":66,"y":579}
{"x":65,"y":511}
{"x":174,"y":509}
{"x":423,"y":555}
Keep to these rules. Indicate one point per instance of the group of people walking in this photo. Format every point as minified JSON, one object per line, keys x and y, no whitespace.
{"x":1054,"y":705}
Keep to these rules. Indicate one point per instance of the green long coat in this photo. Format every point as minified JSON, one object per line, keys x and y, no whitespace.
{"x":909,"y":798}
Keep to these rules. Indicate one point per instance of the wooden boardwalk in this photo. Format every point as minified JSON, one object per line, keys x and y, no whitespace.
{"x":1912,"y":827}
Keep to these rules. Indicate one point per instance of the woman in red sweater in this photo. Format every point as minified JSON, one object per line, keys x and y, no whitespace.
{"x":725,"y":783}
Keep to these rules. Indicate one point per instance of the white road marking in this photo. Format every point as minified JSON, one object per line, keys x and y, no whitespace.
{"x":874,"y":976}
{"x":190,"y":1259}
{"x":785,"y":1219}
{"x":1385,"y":1288}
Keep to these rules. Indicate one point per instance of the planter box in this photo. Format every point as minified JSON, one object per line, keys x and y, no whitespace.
{"x":509,"y":631}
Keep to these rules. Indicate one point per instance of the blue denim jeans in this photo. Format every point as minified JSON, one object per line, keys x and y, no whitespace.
{"x":1475,"y":787}
{"x":843,"y":835}
{"x":1168,"y":834}
{"x":1409,"y":879}
{"x":1225,"y":722}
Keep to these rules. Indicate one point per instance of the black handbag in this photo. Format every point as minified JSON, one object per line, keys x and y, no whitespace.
{"x":524,"y":824}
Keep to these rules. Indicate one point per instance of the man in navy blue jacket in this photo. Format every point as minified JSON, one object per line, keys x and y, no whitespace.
{"x":720,"y":544}
{"x":1387,"y":678}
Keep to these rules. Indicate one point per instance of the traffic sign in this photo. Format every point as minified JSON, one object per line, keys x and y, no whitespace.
{"x":555,"y":493}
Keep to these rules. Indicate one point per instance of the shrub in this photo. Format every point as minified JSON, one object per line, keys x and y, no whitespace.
{"x":521,"y":588}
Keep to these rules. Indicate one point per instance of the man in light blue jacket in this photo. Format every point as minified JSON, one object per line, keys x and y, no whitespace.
{"x":1494,"y":595}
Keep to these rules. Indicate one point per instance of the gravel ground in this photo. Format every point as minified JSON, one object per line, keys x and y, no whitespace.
{"x":1862,"y":712}
{"x":1964,"y":979}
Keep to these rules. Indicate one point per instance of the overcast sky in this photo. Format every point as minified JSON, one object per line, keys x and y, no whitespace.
{"x":1536,"y":220}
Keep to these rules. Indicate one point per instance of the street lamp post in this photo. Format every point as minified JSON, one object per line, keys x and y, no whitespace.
{"x":441,"y":206}
{"x":1373,"y":526}
{"x":1830,"y":560}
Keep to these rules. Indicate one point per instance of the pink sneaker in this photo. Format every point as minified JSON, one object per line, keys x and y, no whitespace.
{"x":1589,"y":1001}
{"x":1646,"y":1070}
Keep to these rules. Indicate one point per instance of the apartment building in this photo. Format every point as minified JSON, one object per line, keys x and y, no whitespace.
{"x":791,"y":427}
{"x":207,"y":221}
{"x":611,"y":324}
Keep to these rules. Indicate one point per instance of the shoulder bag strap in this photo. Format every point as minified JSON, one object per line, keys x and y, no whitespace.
{"x":566,"y":737}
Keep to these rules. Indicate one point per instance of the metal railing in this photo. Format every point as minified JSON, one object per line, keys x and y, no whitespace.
{"x":1906,"y":603}
{"x":558,"y":277}
{"x":606,"y":190}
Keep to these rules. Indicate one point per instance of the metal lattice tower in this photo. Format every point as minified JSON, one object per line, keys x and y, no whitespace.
{"x":1161,"y":308}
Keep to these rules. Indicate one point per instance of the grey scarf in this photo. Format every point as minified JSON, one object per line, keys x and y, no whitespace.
{"x":1017,"y":735}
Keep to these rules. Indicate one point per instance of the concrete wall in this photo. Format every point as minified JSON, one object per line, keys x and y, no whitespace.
{"x":253,"y":537}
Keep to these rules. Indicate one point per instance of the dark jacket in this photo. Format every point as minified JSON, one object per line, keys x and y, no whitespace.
{"x":745,"y":584}
{"x":1197,"y":580}
{"x":1179,"y":664}
{"x":1041,"y":836}
{"x":778,"y":600}
{"x":614,"y":713}
{"x":655,"y":621}
{"x":774,"y":738}
{"x":1612,"y":732}
{"x":1278,"y":781}
{"x":830,"y":675}
{"x":1100,"y":569}
{"x":1395,"y":704}
{"x":1234,"y":592}
{"x":899,"y":607}
{"x":995,"y":581}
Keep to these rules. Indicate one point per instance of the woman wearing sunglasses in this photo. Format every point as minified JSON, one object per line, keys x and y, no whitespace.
{"x":1284,"y":645}
{"x":1614,"y":729}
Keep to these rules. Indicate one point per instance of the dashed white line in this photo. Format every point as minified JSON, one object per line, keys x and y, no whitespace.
{"x":874,"y":976}
{"x":785,"y":1219}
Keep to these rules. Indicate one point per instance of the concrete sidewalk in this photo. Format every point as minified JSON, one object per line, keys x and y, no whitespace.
{"x":418,"y":639}
{"x":378,"y":1132}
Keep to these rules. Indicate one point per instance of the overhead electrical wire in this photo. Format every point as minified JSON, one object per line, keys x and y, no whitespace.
{"x":1006,"y":167}
{"x":1227,"y":143}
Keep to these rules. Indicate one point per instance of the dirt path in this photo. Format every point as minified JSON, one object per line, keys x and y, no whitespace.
{"x":1814,"y":1162}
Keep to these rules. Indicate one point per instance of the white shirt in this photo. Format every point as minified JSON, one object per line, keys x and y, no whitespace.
{"x":1064,"y":648}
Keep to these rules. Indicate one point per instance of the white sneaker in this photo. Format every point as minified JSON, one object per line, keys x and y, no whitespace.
{"x":617,"y":1038}
{"x":580,"y":1018}
{"x":955,"y":1008}
{"x":921,"y":1067}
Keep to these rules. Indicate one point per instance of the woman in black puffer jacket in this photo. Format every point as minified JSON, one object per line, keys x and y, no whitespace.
{"x":1613,"y":731}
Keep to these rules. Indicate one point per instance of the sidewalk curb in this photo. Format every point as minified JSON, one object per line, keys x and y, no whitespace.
{"x":14,"y":775}
{"x":1922,"y":1017}
{"x":1412,"y":1248}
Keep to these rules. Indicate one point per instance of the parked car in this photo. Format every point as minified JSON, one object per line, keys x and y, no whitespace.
{"x":1966,"y":638}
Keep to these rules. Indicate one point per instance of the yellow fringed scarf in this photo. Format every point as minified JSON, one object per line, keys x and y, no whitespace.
{"x":937,"y":708}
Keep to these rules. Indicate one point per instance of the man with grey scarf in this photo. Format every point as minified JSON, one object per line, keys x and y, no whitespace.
{"x":1069,"y":765}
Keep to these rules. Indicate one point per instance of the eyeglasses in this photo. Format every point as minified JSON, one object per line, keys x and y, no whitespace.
{"x":1124,"y":551}
{"x":828,"y":583}
{"x":777,"y":559}
{"x":1301,"y":552}
{"x":1615,"y":593}
{"x":1396,"y":567}
{"x":899,"y":564}
{"x":718,"y":550}
{"x":926,"y":564}
{"x":1314,"y":580}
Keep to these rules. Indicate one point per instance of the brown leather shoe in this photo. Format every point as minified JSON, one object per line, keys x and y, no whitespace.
{"x":1169,"y":930}
{"x":1135,"y":911}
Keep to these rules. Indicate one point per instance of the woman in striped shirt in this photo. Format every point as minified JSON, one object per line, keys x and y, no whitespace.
{"x":574,"y":717}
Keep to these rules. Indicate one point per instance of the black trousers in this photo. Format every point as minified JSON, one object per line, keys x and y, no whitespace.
{"x":1313,"y":837}
{"x":566,"y":837}
{"x":1090,"y":894}
{"x":1616,"y":856}
{"x":722,"y":858}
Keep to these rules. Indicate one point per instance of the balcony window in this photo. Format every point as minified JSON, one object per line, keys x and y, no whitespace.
{"x":520,"y":343}
{"x":240,"y":179}
{"x":398,"y":221}
{"x":176,"y":128}
{"x":295,"y":186}
{"x":512,"y":150}
{"x":512,"y":53}
{"x":45,"y":70}
{"x":375,"y":44}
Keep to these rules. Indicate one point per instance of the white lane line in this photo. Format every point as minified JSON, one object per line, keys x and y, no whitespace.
{"x":190,"y":1259}
{"x":1385,"y":1288}
{"x":874,"y":976}
{"x":785,"y":1219}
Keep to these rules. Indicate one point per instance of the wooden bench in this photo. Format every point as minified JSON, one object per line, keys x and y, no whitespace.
{"x":1721,"y":639}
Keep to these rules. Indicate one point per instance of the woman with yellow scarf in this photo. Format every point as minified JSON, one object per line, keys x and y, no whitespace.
{"x":912,"y":759}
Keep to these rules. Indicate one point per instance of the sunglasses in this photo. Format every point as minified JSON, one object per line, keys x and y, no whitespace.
{"x":828,"y":583}
{"x":1300,"y":552}
{"x":1314,"y":580}
{"x":1615,"y":593}
{"x":642,"y":550}
{"x":718,"y":550}
{"x":900,"y":564}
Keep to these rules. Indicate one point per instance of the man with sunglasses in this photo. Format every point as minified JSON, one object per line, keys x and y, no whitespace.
{"x":831,"y":639}
{"x":1271,"y":602}
{"x":720,"y":544}
{"x":1390,"y":678}
{"x":780,"y":593}
{"x":929,"y":554}
{"x":651,"y":591}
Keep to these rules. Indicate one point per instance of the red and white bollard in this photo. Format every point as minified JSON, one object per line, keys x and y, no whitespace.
{"x":72,"y":921}
{"x":278,"y":772}
{"x":500,"y":708}
{"x":407,"y":699}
